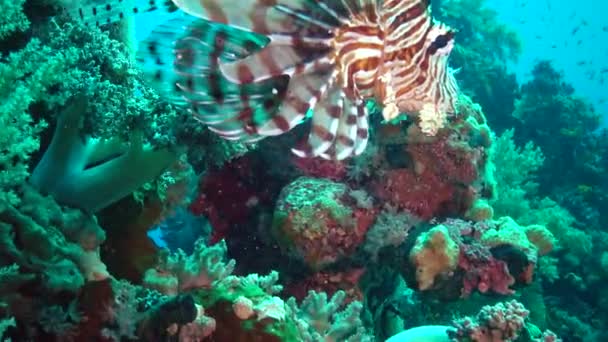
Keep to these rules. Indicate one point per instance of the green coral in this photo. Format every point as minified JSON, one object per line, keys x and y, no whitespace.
{"x":12,"y":18}
{"x":514,"y":169}
{"x":562,"y":224}
{"x":565,"y":126}
{"x":5,"y":324}
{"x":320,"y":318}
{"x":51,"y":233}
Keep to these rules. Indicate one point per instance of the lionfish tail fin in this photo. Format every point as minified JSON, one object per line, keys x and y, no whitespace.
{"x":100,"y":12}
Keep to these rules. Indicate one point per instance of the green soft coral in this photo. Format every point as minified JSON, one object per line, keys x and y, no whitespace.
{"x":105,"y":120}
{"x":514,"y":169}
{"x":12,"y":18}
{"x":91,"y":174}
{"x":22,"y":83}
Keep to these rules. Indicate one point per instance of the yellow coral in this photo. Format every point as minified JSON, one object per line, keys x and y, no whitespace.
{"x":435,"y":253}
{"x":480,"y":211}
{"x":540,"y":237}
{"x":431,"y":119}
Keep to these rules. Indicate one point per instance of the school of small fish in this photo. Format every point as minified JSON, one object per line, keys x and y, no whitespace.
{"x":580,"y":27}
{"x":249,"y":69}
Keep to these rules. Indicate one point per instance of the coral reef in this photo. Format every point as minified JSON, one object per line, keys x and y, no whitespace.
{"x":123,"y":218}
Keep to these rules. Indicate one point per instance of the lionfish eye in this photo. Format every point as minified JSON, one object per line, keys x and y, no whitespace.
{"x":442,"y":41}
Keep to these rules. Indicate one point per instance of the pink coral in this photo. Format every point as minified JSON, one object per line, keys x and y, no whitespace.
{"x":322,"y":168}
{"x":437,"y":182}
{"x":483,"y":272}
{"x":317,"y":221}
{"x":455,"y":163}
{"x":230,"y":196}
{"x":498,"y":323}
{"x":330,"y":282}
{"x":424,"y":195}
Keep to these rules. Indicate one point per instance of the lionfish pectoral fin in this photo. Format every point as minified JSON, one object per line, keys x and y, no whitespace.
{"x":351,"y":137}
{"x":302,"y":93}
{"x":181,"y":59}
{"x":264,"y":16}
{"x":362,"y":129}
{"x":271,"y":61}
{"x":102,"y":12}
{"x":338,"y":128}
{"x":325,"y":123}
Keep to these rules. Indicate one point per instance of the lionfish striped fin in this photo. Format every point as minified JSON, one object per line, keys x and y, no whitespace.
{"x":102,"y":12}
{"x":264,"y":16}
{"x":339,"y":128}
{"x":346,"y":136}
{"x":325,"y":123}
{"x":181,"y":60}
{"x":186,"y":59}
{"x":362,"y":129}
{"x":276,"y":59}
{"x":302,"y":94}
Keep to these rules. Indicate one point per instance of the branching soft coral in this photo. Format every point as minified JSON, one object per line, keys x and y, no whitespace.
{"x":19,"y":138}
{"x":12,"y":18}
{"x":514,"y":169}
{"x":320,"y":318}
{"x":515,"y":172}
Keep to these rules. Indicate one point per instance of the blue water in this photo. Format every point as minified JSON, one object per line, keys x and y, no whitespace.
{"x":543,"y":24}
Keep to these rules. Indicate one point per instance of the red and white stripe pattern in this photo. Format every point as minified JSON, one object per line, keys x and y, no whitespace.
{"x":327,"y":57}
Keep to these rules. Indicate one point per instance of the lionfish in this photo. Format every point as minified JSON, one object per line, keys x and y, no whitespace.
{"x":249,"y":69}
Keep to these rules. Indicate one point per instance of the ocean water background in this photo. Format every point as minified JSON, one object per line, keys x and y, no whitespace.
{"x":573,"y":34}
{"x":546,"y":29}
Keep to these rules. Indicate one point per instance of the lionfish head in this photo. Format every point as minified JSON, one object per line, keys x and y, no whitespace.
{"x":426,"y":87}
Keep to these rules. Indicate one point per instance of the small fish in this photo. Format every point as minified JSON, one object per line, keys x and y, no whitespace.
{"x":249,"y":69}
{"x":604,"y":70}
{"x":575,"y":29}
{"x":605,"y":28}
{"x":581,"y":63}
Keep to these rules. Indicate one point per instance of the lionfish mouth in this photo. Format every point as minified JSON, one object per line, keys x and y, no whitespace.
{"x":249,"y":69}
